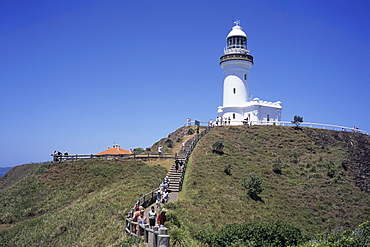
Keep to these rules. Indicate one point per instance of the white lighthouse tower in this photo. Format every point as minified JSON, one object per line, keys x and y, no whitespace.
{"x":238,"y":107}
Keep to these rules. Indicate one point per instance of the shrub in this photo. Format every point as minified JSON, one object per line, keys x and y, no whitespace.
{"x":277,"y":168}
{"x":138,"y":150}
{"x":254,"y":186}
{"x":174,"y":219}
{"x":331,"y":173}
{"x":191,"y":131}
{"x":168,"y":143}
{"x":254,"y":234}
{"x":218,"y":147}
{"x":335,"y":238}
{"x":227,"y":170}
{"x":179,"y":237}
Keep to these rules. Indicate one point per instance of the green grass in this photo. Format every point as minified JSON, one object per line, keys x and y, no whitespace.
{"x":312,"y":179}
{"x":80,"y":203}
{"x":303,"y":195}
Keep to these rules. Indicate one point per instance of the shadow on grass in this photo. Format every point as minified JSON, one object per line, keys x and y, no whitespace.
{"x":256,"y":197}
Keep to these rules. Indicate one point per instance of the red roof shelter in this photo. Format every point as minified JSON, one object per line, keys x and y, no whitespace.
{"x":116,"y":149}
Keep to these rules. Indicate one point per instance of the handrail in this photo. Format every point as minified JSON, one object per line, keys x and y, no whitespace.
{"x":290,"y":123}
{"x":152,"y":237}
{"x":158,"y":236}
{"x":189,"y":148}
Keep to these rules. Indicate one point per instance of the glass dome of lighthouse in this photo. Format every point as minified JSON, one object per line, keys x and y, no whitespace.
{"x":236,"y":40}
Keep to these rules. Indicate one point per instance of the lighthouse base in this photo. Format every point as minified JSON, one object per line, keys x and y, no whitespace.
{"x":253,"y":112}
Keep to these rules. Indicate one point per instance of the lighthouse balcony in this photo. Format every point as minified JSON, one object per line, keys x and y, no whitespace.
{"x":236,"y":56}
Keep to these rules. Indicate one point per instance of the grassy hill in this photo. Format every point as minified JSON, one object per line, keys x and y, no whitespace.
{"x":72,"y":203}
{"x":313,"y":179}
{"x":320,"y":180}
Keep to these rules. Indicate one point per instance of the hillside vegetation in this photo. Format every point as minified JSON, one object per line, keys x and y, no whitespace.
{"x":313,"y":179}
{"x":81,"y":203}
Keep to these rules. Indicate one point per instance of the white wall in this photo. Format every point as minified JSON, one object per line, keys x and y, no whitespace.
{"x":235,"y":84}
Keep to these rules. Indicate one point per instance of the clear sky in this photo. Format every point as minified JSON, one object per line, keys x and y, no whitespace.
{"x":82,"y":75}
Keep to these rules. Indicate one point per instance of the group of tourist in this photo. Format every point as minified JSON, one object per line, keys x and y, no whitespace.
{"x":56,"y":155}
{"x":220,"y":121}
{"x":162,"y":197}
{"x":163,"y":192}
{"x":153,"y":218}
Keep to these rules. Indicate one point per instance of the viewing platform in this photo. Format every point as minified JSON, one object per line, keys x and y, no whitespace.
{"x":236,"y":56}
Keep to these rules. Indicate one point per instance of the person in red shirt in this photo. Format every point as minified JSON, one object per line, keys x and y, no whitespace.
{"x":161,"y":219}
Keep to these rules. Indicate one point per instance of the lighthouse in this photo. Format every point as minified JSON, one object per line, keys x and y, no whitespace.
{"x":238,"y":107}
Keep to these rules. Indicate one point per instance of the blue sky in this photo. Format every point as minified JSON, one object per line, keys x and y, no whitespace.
{"x":82,"y":75}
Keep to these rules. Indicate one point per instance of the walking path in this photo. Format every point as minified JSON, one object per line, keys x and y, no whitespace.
{"x":155,"y":237}
{"x":175,"y":177}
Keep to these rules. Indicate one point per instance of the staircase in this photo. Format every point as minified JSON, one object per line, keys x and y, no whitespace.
{"x":174,"y":179}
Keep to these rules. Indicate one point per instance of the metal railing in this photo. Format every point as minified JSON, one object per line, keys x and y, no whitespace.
{"x":289,"y":123}
{"x":158,"y":237}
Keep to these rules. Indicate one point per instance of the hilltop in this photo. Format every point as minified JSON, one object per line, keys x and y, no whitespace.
{"x":313,"y":179}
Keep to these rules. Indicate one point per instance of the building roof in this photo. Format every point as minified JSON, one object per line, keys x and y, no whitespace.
{"x":116,"y":149}
{"x":236,"y":31}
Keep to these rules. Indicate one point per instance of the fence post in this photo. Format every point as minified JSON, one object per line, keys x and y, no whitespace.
{"x":155,"y":236}
{"x":163,"y":237}
{"x":146,"y":233}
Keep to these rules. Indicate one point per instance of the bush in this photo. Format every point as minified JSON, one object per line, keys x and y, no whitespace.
{"x":174,"y":219}
{"x":168,"y":143}
{"x":227,"y":170}
{"x":331,"y":173}
{"x":178,"y":237}
{"x":335,"y":238}
{"x":254,"y":186}
{"x":138,"y":150}
{"x":254,"y":234}
{"x":191,"y":131}
{"x":218,"y":147}
{"x":277,"y":168}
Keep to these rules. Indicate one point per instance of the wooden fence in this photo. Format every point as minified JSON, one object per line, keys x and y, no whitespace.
{"x":72,"y":157}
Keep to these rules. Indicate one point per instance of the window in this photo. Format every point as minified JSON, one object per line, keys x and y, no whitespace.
{"x":233,"y":115}
{"x":234,"y":90}
{"x":268,"y":118}
{"x":245,"y":76}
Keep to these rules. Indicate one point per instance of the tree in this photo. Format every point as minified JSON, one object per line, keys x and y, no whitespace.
{"x":297,"y":120}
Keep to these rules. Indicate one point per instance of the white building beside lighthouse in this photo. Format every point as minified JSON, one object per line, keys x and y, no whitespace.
{"x":238,"y":107}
